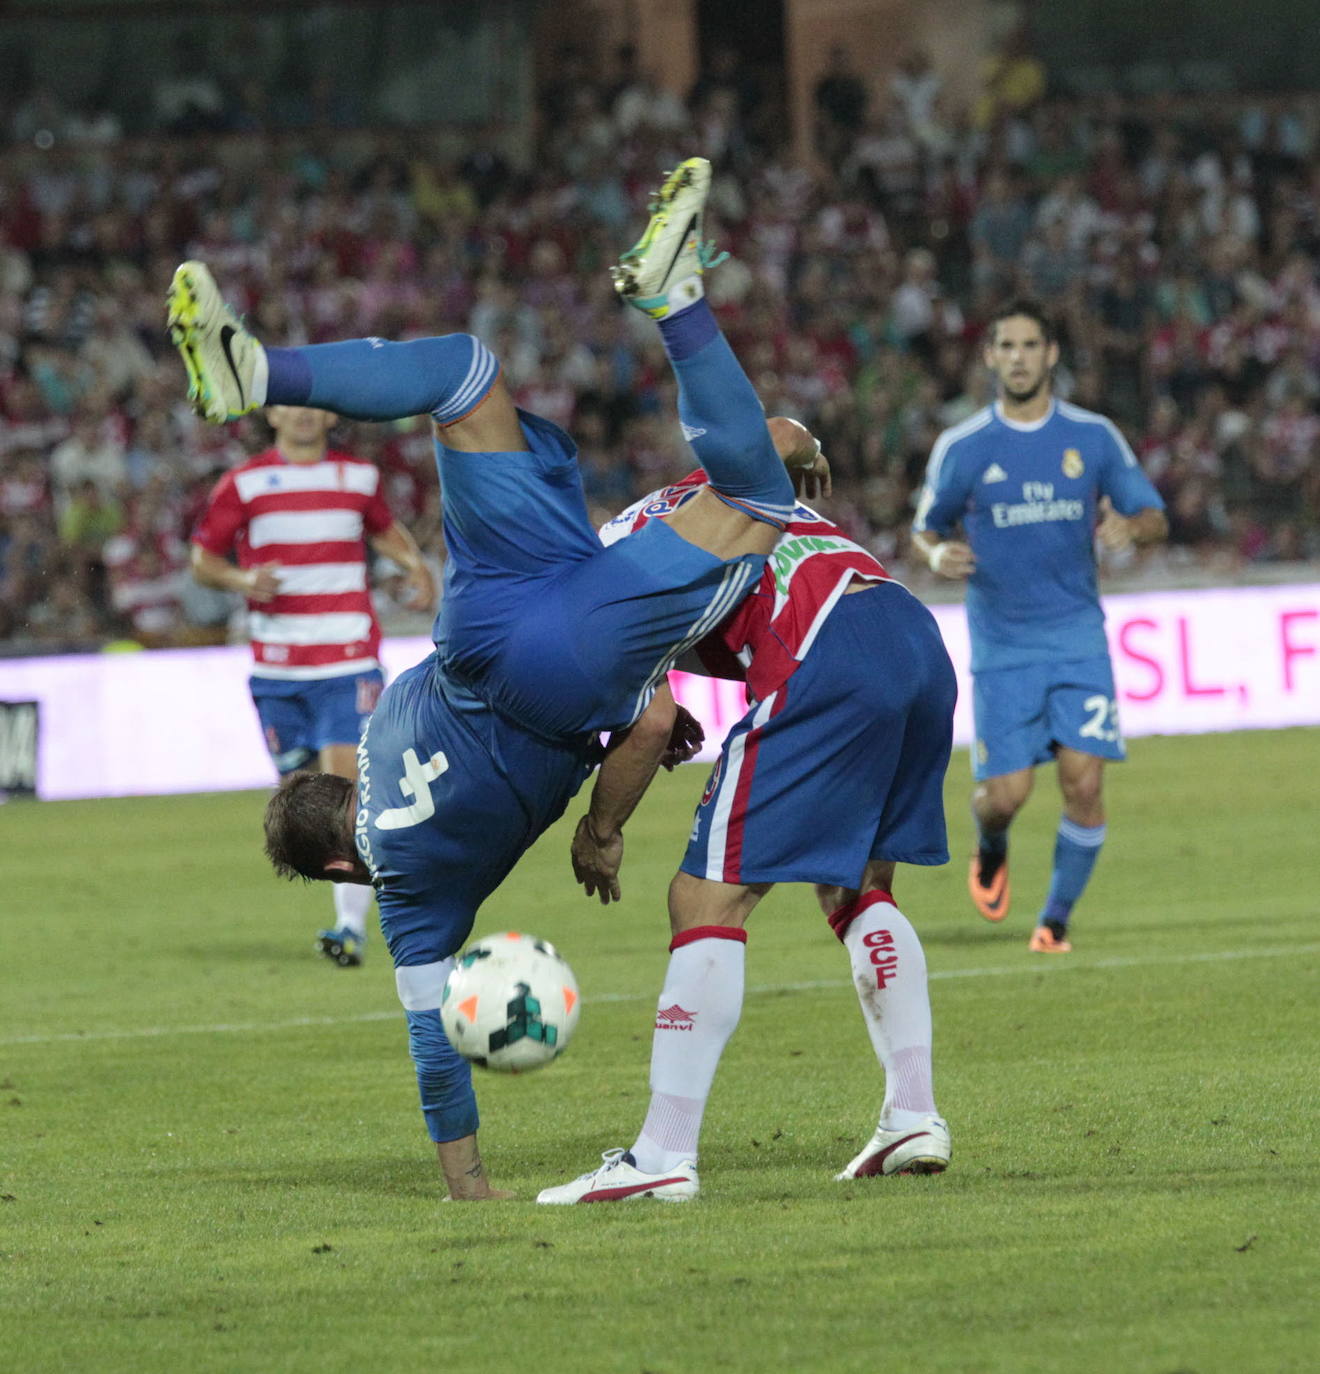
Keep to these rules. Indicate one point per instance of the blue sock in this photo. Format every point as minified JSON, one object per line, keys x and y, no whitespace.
{"x":1076,"y":848}
{"x":370,"y":379}
{"x":444,"y":1079}
{"x":723,"y":418}
{"x":992,"y":842}
{"x":992,"y":847}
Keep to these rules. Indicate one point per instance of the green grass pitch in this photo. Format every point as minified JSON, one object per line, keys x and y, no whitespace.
{"x":211,"y":1157}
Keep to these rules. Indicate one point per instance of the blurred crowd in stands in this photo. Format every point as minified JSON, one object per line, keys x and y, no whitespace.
{"x":1176,"y":241}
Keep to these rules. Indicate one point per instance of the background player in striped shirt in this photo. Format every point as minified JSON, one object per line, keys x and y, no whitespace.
{"x":1033,"y":480}
{"x":298,"y":517}
{"x":833,"y":777}
{"x":545,"y":637}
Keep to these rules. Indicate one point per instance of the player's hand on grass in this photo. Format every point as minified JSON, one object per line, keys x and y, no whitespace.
{"x":1114,"y":530}
{"x":490,"y":1195}
{"x":597,"y":860}
{"x":685,"y":740}
{"x":953,"y":559}
{"x":262,"y":582}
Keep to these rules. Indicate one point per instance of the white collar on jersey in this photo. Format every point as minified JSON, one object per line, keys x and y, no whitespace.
{"x":1025,"y":426}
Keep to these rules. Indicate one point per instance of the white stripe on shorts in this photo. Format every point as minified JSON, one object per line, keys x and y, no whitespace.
{"x":717,"y":842}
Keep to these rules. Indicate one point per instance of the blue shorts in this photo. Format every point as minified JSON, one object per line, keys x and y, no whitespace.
{"x":299,"y":717}
{"x":557,"y":632}
{"x":1023,"y":714}
{"x":842,"y":764}
{"x":450,"y":795}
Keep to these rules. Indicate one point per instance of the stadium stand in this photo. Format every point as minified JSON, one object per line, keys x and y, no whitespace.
{"x":1177,"y":240}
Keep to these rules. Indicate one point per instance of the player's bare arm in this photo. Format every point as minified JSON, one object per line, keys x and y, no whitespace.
{"x":398,"y":545}
{"x":949,"y":558}
{"x":260,"y":583}
{"x":631,"y":762}
{"x":1117,"y":531}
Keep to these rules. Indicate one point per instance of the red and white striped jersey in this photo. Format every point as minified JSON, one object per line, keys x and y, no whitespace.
{"x":312,"y":519}
{"x":808,"y":570}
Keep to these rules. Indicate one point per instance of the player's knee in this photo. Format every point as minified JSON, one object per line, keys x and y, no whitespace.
{"x":831,"y":898}
{"x":998,"y":800}
{"x":1084,"y":793}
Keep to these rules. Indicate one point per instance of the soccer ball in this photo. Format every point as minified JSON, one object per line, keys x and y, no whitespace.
{"x":510,"y":1003}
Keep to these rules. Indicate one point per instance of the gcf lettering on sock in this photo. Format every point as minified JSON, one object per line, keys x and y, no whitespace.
{"x":880,"y":950}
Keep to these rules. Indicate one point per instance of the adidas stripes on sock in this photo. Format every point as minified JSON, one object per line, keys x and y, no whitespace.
{"x":446,"y":377}
{"x":1076,"y":848}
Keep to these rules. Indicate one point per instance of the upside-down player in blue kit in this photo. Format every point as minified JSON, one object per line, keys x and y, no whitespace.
{"x":544,"y":637}
{"x":1029,"y":478}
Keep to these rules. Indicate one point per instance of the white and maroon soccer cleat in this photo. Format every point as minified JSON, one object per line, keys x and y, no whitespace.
{"x":923,"y":1149}
{"x":618,"y":1179}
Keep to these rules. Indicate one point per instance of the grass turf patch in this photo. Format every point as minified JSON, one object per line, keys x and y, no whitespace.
{"x":210,"y":1152}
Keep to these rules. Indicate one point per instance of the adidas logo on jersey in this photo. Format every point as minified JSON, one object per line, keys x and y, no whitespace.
{"x":994,"y":473}
{"x":691,"y":432}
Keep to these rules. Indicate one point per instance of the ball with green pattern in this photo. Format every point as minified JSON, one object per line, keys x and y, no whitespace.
{"x":511,"y":1003}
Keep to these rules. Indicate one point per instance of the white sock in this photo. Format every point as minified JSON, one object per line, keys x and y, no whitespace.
{"x":889,"y":972}
{"x":352,"y":902}
{"x":260,"y":375}
{"x":698,"y":1011}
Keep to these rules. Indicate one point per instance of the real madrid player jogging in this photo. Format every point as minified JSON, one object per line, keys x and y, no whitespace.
{"x":1027,"y":496}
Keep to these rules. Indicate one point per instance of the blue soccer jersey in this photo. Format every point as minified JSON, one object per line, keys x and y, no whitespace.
{"x":450,"y":794}
{"x":1027,"y":496}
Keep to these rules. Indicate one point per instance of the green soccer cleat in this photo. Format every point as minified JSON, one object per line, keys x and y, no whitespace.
{"x":222,"y":358}
{"x":661,"y":273}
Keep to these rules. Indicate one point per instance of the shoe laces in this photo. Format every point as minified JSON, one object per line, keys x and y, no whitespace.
{"x":609,"y":1158}
{"x":708,"y":257}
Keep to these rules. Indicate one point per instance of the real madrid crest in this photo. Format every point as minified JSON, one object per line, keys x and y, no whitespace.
{"x":1072,"y":463}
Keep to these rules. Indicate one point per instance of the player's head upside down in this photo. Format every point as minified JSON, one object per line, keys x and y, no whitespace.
{"x":309,"y":829}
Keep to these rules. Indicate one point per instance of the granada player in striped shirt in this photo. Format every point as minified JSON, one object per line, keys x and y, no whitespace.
{"x":833,"y":777}
{"x":298,"y":516}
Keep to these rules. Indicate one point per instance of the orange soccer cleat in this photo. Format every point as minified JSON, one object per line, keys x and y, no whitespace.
{"x":1045,"y":941}
{"x":991,"y":898}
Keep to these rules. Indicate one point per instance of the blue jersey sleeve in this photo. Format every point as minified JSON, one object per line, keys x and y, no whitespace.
{"x":945,"y":491}
{"x":1121,"y":477}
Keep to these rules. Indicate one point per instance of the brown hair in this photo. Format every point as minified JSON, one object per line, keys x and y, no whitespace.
{"x":305,"y":824}
{"x":1029,"y":309}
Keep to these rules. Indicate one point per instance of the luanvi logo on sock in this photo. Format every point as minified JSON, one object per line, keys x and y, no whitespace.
{"x":675,"y":1018}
